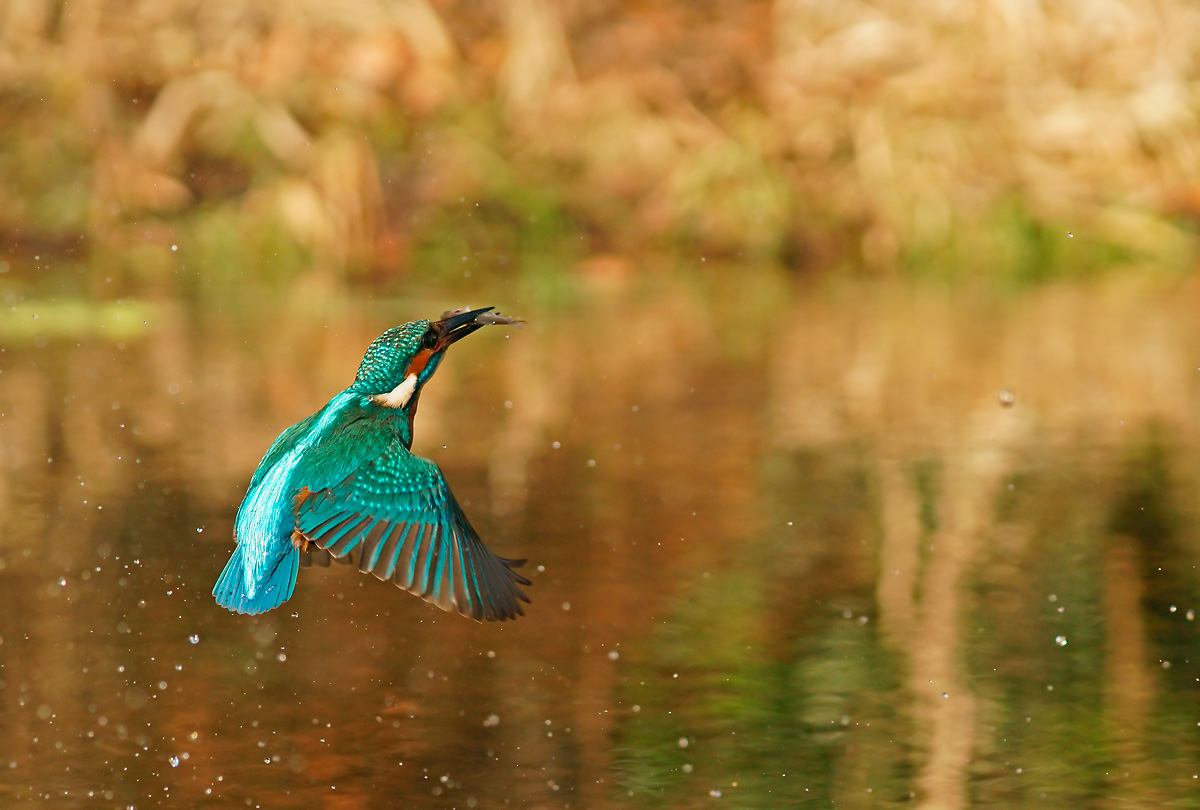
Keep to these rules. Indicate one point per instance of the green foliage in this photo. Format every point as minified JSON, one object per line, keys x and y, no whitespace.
{"x":925,"y":480}
{"x":41,"y":319}
{"x":1019,"y":248}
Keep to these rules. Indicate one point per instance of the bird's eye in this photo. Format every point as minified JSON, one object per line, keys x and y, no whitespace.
{"x":429,"y":340}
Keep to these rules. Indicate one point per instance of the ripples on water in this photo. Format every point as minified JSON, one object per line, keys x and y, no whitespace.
{"x":853,"y":547}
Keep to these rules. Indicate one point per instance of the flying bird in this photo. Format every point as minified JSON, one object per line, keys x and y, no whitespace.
{"x":343,"y":483}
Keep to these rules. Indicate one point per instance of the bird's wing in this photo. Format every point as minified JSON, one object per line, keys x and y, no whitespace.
{"x":400,"y":517}
{"x":283,"y":442}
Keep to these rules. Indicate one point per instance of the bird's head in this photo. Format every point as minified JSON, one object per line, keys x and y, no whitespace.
{"x":401,"y":360}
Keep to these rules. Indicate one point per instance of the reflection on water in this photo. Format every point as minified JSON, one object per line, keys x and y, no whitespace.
{"x":853,"y":547}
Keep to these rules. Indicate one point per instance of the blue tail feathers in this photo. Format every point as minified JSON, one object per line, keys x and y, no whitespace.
{"x":230,"y":589}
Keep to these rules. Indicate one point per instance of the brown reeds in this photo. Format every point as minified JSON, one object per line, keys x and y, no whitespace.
{"x":944,"y":139}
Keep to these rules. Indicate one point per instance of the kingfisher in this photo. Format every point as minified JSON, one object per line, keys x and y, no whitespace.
{"x":344,"y":484}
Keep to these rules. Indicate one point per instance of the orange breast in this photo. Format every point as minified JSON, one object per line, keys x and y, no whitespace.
{"x":419,"y":362}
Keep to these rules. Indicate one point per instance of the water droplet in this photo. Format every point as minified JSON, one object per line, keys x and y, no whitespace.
{"x":683,"y":742}
{"x":194,"y":638}
{"x":1060,"y":641}
{"x":1006,"y":397}
{"x":174,"y":761}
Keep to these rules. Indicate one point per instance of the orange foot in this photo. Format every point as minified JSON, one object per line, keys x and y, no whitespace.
{"x":301,"y":542}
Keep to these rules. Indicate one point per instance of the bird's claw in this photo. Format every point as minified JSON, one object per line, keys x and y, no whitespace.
{"x":301,"y":542}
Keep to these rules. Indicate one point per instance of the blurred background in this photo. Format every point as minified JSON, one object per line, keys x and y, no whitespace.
{"x":852,"y":440}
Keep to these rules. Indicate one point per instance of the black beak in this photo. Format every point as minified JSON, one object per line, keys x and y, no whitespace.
{"x":457,"y":324}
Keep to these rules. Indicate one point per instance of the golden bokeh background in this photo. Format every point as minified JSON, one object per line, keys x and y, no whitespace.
{"x":852,"y":439}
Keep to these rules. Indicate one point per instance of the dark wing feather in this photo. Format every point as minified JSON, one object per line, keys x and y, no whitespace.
{"x":399,"y":518}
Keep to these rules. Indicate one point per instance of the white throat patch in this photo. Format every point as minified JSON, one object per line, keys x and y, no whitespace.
{"x":399,"y":396}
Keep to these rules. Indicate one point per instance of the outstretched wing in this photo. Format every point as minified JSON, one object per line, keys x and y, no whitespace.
{"x":400,"y":517}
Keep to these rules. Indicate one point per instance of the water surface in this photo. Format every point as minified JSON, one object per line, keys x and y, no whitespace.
{"x":855,"y":546}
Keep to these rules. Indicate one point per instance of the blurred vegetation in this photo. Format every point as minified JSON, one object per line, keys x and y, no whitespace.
{"x":1010,"y":140}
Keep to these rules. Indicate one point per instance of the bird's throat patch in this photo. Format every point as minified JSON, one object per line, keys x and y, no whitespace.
{"x":419,"y":361}
{"x":399,"y":396}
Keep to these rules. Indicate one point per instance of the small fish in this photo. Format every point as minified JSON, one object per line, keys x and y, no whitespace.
{"x":486,"y":318}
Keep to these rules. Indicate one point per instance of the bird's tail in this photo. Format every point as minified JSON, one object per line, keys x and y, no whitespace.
{"x":231,"y":591}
